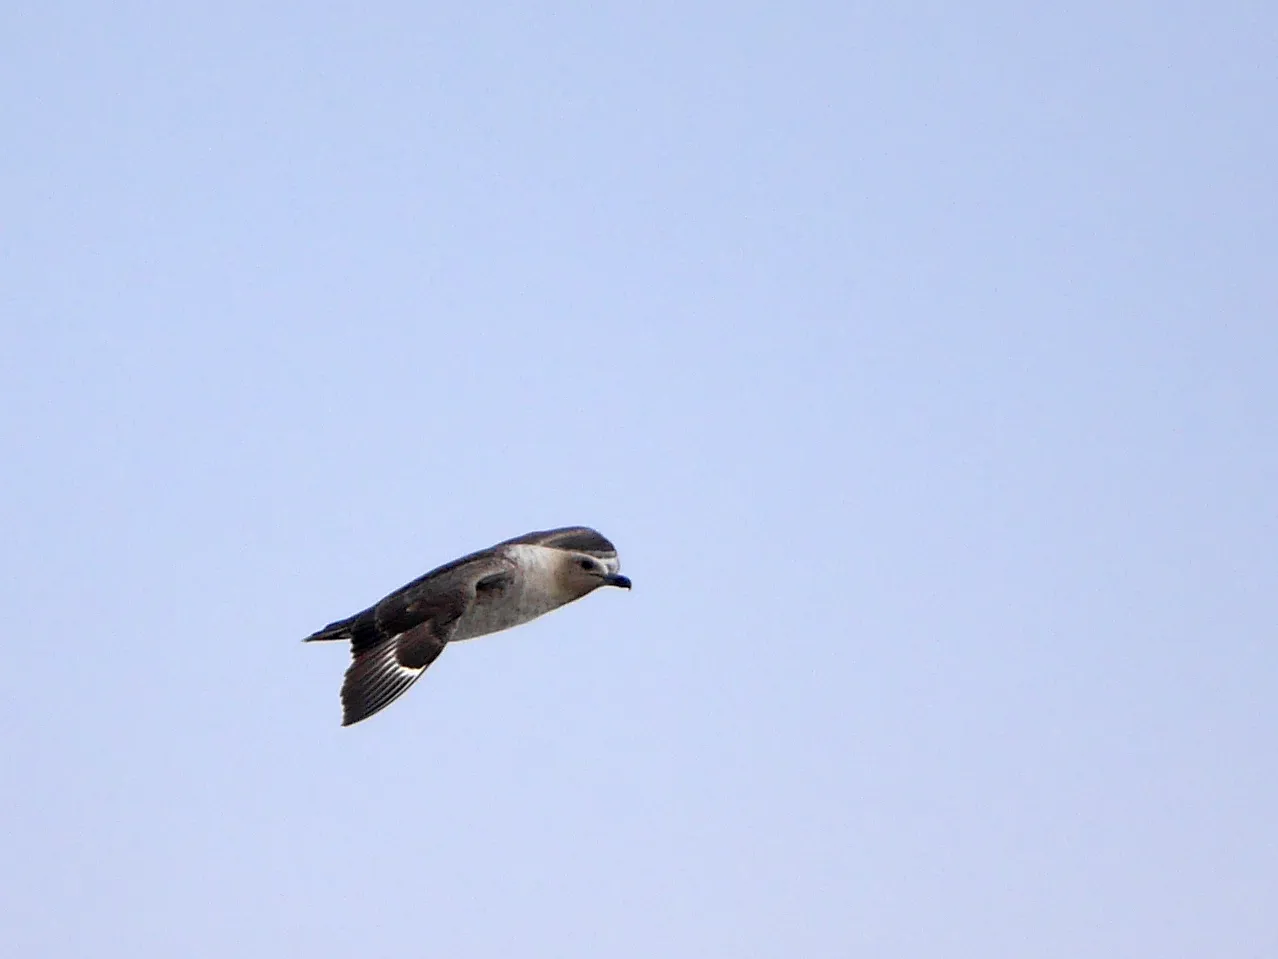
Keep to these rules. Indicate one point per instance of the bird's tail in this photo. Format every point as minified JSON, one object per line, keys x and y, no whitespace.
{"x":342,"y":629}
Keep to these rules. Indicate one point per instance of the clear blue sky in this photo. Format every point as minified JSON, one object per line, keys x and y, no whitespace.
{"x":919,"y":358}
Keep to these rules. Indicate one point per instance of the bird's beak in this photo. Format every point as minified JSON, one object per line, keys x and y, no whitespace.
{"x":616,"y":579}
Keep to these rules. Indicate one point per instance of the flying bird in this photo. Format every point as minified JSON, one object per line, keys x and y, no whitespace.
{"x":394,"y":640}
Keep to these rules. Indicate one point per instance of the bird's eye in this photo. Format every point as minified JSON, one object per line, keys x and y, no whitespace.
{"x":586,"y":564}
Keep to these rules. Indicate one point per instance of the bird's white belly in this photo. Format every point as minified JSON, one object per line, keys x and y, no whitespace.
{"x":530,"y":596}
{"x":505,"y":612}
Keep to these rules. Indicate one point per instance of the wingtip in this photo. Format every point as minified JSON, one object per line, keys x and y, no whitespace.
{"x":376,"y":678}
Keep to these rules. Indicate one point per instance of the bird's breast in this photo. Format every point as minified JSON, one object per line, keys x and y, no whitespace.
{"x":530,"y":593}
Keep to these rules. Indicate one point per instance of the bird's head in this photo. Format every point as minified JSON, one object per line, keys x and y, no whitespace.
{"x":581,"y":573}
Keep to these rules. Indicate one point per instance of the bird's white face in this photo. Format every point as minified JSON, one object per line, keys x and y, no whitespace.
{"x":580,"y":573}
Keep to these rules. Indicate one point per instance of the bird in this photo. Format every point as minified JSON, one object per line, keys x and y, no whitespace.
{"x":519,"y":579}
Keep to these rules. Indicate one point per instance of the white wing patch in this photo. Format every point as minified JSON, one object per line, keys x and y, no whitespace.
{"x":375,"y":680}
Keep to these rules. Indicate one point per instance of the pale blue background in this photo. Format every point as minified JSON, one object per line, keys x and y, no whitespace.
{"x":919,"y":358}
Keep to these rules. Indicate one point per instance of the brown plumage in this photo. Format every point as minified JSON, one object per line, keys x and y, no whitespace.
{"x":395,"y":639}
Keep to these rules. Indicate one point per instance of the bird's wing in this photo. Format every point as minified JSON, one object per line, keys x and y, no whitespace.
{"x":404,"y":633}
{"x":380,"y":674}
{"x":581,"y":538}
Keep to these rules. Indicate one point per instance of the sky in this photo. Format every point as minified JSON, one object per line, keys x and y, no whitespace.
{"x":919,"y":359}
